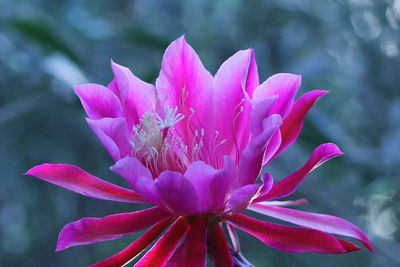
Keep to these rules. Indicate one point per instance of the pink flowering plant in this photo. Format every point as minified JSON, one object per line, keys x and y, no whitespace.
{"x":194,"y":146}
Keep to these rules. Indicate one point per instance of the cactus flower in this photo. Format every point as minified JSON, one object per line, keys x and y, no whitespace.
{"x":194,"y":146}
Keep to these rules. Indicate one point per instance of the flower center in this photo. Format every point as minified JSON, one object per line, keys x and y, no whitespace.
{"x":154,"y":144}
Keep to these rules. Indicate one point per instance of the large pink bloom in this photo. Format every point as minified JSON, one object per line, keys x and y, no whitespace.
{"x":194,"y":146}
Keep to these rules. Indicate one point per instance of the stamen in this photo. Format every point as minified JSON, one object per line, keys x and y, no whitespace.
{"x":155,"y":146}
{"x":171,"y":118}
{"x":234,"y":128}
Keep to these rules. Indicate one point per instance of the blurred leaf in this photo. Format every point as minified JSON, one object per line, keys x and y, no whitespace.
{"x":44,"y":35}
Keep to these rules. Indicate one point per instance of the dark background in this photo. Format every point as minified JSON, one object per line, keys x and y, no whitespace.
{"x":349,"y":47}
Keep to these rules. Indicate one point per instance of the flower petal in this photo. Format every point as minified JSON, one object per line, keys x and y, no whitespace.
{"x":272,"y":147}
{"x":177,"y":192}
{"x":285,"y":86}
{"x":136,"y":247}
{"x":93,"y":230}
{"x":293,"y":123}
{"x":289,"y":239}
{"x":234,"y":81}
{"x":79,"y":181}
{"x":193,"y":251}
{"x":288,"y":185}
{"x":212,"y":185}
{"x":241,"y":198}
{"x":113,"y":133}
{"x":252,"y":157}
{"x":321,"y":222}
{"x":163,"y":249}
{"x":261,"y":109}
{"x":148,"y":190}
{"x":221,"y":254}
{"x":136,"y":96}
{"x":277,"y":203}
{"x":185,"y":83}
{"x":267,"y":182}
{"x":131,"y":169}
{"x":99,"y":101}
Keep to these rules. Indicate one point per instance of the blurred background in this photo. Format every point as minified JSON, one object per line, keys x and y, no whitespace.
{"x":350,"y":47}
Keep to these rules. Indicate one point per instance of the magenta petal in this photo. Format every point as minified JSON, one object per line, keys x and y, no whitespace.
{"x":285,"y":86}
{"x":163,"y":249}
{"x":252,"y":157}
{"x":193,"y":251}
{"x":321,"y":222}
{"x":177,"y":192}
{"x":79,"y":181}
{"x":289,"y":239}
{"x":185,"y":83}
{"x":221,"y":254}
{"x":93,"y":230}
{"x":277,"y":203}
{"x":347,"y":246}
{"x":136,"y":96}
{"x":131,"y":169}
{"x":136,"y":247}
{"x":241,"y":198}
{"x":234,"y":81}
{"x":293,"y":123}
{"x":113,"y":133}
{"x":272,"y":147}
{"x":212,"y":186}
{"x":99,"y":101}
{"x":288,"y":185}
{"x":148,"y":190}
{"x":261,"y":110}
{"x":267,"y":182}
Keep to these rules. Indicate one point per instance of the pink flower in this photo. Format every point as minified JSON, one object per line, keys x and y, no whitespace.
{"x":194,"y":146}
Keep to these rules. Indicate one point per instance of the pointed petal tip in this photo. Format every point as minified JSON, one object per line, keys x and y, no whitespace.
{"x":347,"y":246}
{"x":34,"y":170}
{"x":332,"y":148}
{"x":59,"y":248}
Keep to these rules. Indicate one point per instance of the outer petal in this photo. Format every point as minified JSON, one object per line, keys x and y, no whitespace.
{"x":219,"y":246}
{"x":136,"y":96}
{"x":277,"y":203}
{"x":193,"y":251}
{"x":234,"y":81}
{"x":162,"y":251}
{"x":293,"y":123}
{"x":289,"y":239}
{"x":212,"y":186}
{"x":98,"y":101}
{"x":252,"y":157}
{"x":93,"y":230}
{"x":79,"y":181}
{"x":288,"y":185}
{"x":177,"y":192}
{"x":285,"y":86}
{"x":322,"y":222}
{"x":136,"y":247}
{"x":113,"y":133}
{"x":185,"y":83}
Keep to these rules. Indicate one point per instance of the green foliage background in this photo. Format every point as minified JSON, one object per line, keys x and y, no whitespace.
{"x":349,"y":47}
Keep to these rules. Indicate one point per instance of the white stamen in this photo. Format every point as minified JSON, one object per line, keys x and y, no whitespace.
{"x":171,"y":118}
{"x":153,"y":144}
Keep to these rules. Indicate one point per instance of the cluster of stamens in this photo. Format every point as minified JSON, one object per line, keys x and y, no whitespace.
{"x":153,"y":143}
{"x":159,"y":147}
